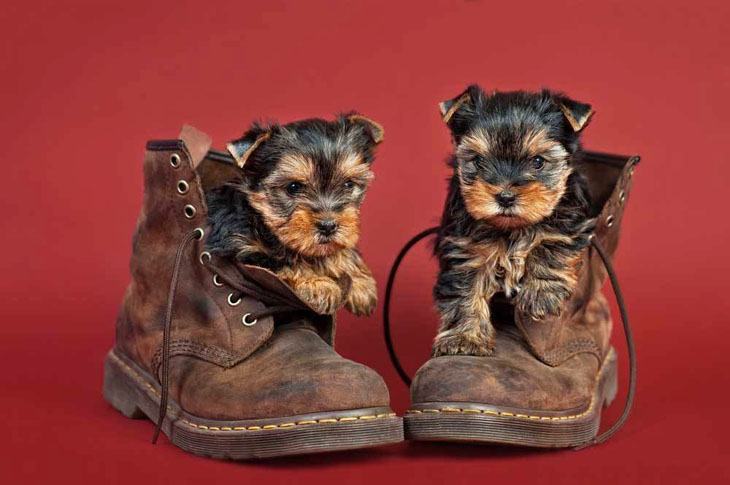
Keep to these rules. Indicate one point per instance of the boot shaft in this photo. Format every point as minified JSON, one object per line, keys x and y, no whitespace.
{"x":207,"y":317}
{"x":585,"y":324}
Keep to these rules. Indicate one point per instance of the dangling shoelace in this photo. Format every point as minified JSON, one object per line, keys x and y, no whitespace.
{"x":243,"y":289}
{"x":619,"y":300}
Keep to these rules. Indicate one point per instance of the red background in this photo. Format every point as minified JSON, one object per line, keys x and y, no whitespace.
{"x":85,"y":84}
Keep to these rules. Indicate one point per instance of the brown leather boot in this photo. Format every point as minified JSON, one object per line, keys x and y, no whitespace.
{"x":547,"y":380}
{"x":225,"y":357}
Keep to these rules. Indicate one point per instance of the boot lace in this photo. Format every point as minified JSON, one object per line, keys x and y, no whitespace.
{"x":241,"y":289}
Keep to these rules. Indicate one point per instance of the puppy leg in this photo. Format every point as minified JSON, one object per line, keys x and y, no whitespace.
{"x":551,"y":275}
{"x":324,"y":294}
{"x":363,"y":295}
{"x":462,"y":297}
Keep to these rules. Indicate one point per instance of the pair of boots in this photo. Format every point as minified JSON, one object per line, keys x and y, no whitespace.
{"x":230,"y":363}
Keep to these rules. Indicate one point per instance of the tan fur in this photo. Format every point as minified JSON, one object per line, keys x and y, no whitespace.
{"x":478,"y":142}
{"x":351,"y":167}
{"x":328,"y":283}
{"x":575,"y":123}
{"x":446,"y":114}
{"x":328,"y":274}
{"x":241,"y":160}
{"x":535,"y":201}
{"x":479,"y":198}
{"x":500,"y":265}
{"x":296,"y":167}
{"x":376,"y":129}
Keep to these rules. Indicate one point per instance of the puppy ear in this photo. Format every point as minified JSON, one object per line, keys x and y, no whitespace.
{"x":464,"y":103}
{"x":575,"y":112}
{"x":451,"y":106}
{"x":242,"y":148}
{"x":374,"y":130}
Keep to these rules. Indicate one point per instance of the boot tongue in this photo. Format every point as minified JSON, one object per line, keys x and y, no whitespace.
{"x":271,"y":289}
{"x":275,"y":292}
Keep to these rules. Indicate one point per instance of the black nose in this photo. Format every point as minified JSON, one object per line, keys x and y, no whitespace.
{"x":327,"y":227}
{"x":506,"y":198}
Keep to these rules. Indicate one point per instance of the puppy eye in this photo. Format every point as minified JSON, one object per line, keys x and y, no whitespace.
{"x":349,"y":185}
{"x":538,"y":162}
{"x":293,"y":188}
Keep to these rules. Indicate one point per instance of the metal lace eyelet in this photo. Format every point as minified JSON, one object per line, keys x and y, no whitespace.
{"x":199,"y":233}
{"x":175,"y":160}
{"x":205,"y":257}
{"x":182,"y":187}
{"x":217,"y":281}
{"x":190,"y":211}
{"x":609,"y":221}
{"x":233,"y":302}
{"x":621,"y":196}
{"x":249,"y":323}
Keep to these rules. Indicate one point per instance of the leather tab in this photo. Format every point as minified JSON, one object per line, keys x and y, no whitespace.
{"x":197,"y":143}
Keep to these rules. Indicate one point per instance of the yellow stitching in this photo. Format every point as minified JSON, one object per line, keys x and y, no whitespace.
{"x":498,"y":413}
{"x":141,"y":380}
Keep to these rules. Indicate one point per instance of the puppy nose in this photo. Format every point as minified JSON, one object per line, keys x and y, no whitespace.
{"x":506,"y":198}
{"x":327,"y":227}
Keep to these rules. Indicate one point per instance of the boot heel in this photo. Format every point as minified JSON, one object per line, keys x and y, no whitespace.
{"x":610,"y":384}
{"x":118,"y":392}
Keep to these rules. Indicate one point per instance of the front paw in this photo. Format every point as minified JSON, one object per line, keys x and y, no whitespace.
{"x":363,"y":296}
{"x":543,"y":302}
{"x":323,"y":294}
{"x":463,"y":343}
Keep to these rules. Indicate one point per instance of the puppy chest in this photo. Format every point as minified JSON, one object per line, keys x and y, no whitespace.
{"x":501,"y":266}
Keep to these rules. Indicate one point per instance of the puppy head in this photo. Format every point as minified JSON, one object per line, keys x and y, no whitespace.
{"x":308,"y":178}
{"x":513,"y":152}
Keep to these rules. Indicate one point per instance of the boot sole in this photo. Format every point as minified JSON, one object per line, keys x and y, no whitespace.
{"x":482,"y":423}
{"x":136,"y":395}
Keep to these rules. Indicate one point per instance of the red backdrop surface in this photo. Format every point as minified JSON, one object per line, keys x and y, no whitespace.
{"x":85,"y":84}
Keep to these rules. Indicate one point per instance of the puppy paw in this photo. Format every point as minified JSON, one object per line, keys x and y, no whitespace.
{"x":539,"y":304}
{"x":463,"y":343}
{"x":363,"y":296}
{"x":323,"y":294}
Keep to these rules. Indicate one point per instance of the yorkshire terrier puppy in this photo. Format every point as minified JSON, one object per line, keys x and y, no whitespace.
{"x":295,"y":208}
{"x":516,"y":215}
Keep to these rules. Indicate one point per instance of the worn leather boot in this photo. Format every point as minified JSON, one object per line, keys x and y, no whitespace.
{"x":547,"y":380}
{"x":225,"y":357}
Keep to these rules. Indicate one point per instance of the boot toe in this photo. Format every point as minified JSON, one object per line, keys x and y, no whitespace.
{"x":511,"y":378}
{"x":295,"y":373}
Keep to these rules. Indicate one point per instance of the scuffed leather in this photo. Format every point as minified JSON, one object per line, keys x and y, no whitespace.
{"x":295,"y":373}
